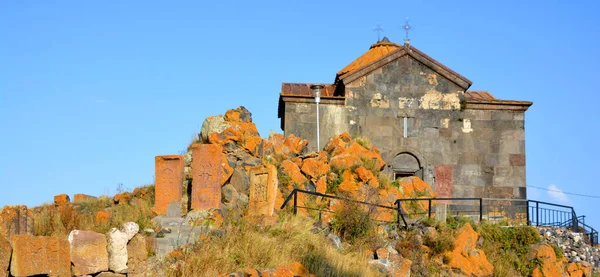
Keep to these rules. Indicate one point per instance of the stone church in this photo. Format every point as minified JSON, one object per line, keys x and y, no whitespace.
{"x":422,"y":117}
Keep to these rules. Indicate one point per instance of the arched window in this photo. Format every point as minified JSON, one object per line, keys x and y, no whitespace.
{"x":406,"y":164}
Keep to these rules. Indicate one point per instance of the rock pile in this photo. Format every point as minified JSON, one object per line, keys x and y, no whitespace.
{"x":573,"y":245}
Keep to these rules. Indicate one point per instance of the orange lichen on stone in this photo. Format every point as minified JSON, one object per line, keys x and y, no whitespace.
{"x":579,"y":269}
{"x":349,"y":184}
{"x":291,"y":170}
{"x":82,"y":197}
{"x":375,"y":53}
{"x":16,"y":220}
{"x":121,"y":198}
{"x":466,"y":258}
{"x":40,"y":255}
{"x":169,"y":176}
{"x":102,"y":216}
{"x":295,"y":144}
{"x":317,"y":166}
{"x":227,"y":170}
{"x":61,"y":199}
{"x":551,"y":265}
{"x":263,"y":190}
{"x":321,"y":184}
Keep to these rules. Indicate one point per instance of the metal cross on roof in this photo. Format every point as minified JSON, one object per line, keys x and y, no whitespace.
{"x":378,"y":29}
{"x":406,"y":28}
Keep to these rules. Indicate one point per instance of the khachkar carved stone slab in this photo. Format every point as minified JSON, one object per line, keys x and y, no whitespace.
{"x":15,"y":220}
{"x":263,"y":190}
{"x":40,"y":255}
{"x":169,"y":177}
{"x":206,"y":176}
{"x":443,"y":182}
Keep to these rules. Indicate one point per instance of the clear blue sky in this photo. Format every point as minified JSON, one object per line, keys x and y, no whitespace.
{"x":91,"y":91}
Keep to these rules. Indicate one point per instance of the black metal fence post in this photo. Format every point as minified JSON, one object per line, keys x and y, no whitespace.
{"x":537,"y":213}
{"x":429,"y":208}
{"x":480,"y":210}
{"x":295,"y":202}
{"x":398,"y":212}
{"x":527,"y":213}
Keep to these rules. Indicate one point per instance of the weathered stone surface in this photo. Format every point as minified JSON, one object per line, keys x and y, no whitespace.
{"x":130,"y":229}
{"x":61,"y":199}
{"x":466,"y":258}
{"x":15,"y":220}
{"x":316,"y":167}
{"x":551,"y":265}
{"x":263,"y":190}
{"x":82,"y":197}
{"x":207,"y":175}
{"x":110,"y":274}
{"x":174,"y":210}
{"x":443,"y":181}
{"x":117,"y":250}
{"x":40,"y":255}
{"x":169,"y":176}
{"x":88,"y":252}
{"x":137,"y":256}
{"x":5,"y":253}
{"x":240,"y":180}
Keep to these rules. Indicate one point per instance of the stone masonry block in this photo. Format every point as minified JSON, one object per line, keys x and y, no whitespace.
{"x":207,"y":174}
{"x":169,"y":178}
{"x":40,"y":255}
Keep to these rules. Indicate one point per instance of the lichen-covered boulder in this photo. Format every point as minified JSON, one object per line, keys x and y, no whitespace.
{"x":550,"y":264}
{"x":88,"y":252}
{"x":466,"y":258}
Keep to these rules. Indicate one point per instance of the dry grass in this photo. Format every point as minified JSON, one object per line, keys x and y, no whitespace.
{"x":290,"y":240}
{"x":52,"y":220}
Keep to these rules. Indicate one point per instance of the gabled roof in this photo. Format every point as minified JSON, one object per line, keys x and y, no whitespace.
{"x":382,"y":53}
{"x":483,"y":100}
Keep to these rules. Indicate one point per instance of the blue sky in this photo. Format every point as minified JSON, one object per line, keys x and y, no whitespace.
{"x":91,"y":91}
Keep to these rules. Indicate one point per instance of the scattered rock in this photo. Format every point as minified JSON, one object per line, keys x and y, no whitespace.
{"x":137,"y":256}
{"x":88,"y":252}
{"x":465,"y":258}
{"x":61,"y":199}
{"x":117,"y":250}
{"x":130,"y":229}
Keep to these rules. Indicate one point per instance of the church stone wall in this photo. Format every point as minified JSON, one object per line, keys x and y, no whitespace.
{"x":472,"y":153}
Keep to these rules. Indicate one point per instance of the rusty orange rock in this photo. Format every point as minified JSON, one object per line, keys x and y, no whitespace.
{"x":16,"y":220}
{"x":102,"y":217}
{"x":338,"y":144}
{"x":61,"y":199}
{"x":466,"y":258}
{"x":317,"y":166}
{"x":226,"y":169}
{"x":263,"y":190}
{"x":40,"y":255}
{"x":349,"y":184}
{"x":295,"y":144}
{"x":168,"y":180}
{"x":579,"y":269}
{"x":82,"y":197}
{"x":551,"y":265}
{"x":344,"y":161}
{"x":321,"y":184}
{"x":291,"y":170}
{"x":367,"y":155}
{"x":121,"y":198}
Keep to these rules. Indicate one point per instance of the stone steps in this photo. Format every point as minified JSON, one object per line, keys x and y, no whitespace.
{"x":181,"y":234}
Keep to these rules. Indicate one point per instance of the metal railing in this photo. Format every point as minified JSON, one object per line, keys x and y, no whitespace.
{"x":294,"y":198}
{"x":494,"y":210}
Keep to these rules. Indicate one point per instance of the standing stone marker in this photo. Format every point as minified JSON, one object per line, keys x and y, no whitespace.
{"x":15,"y":220}
{"x":443,"y":182}
{"x":169,"y":177}
{"x":206,"y":176}
{"x":263,"y":190}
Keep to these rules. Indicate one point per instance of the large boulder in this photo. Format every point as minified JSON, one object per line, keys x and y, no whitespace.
{"x":137,"y":256}
{"x":550,"y":264}
{"x":61,"y":199}
{"x":40,"y":255}
{"x":465,"y":258}
{"x":117,"y":250}
{"x":5,"y":252}
{"x":88,"y":252}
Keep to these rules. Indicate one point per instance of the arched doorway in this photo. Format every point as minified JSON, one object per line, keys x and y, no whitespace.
{"x":406,"y":164}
